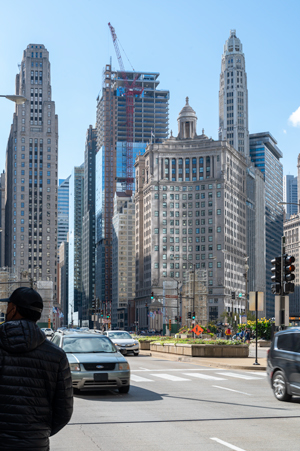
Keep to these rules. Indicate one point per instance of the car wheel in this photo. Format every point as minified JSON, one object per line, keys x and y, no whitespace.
{"x":124,"y":389}
{"x":280,"y":387}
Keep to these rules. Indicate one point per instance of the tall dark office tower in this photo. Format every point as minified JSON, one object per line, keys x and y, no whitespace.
{"x":233,"y":96}
{"x":62,"y":210}
{"x":31,"y":169}
{"x":88,"y":223}
{"x":266,"y":155}
{"x":150,"y":123}
{"x":76,"y":187}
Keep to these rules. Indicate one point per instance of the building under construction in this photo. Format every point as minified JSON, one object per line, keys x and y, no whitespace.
{"x":149,"y":123}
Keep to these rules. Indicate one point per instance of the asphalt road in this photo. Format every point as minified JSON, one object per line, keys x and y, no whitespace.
{"x":182,"y":406}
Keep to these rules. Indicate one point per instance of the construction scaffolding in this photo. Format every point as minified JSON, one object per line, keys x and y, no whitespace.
{"x":194,"y":297}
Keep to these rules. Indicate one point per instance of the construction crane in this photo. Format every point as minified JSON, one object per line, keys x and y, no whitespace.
{"x":130,"y":92}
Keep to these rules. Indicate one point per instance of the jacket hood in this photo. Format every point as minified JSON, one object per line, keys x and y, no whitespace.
{"x":20,"y":336}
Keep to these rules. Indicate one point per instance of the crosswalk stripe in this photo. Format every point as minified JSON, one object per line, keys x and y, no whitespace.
{"x":135,"y":378}
{"x":240,"y":376}
{"x":258,"y":373}
{"x":170,"y":377}
{"x":205,"y":376}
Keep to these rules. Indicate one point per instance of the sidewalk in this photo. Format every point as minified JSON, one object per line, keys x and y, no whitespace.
{"x":234,"y":363}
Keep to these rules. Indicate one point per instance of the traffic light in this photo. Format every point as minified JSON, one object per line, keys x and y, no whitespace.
{"x":152,"y":295}
{"x":233,"y":295}
{"x":93,"y":304}
{"x":180,"y":319}
{"x":289,"y":268}
{"x":189,"y":315}
{"x":101,"y":314}
{"x":170,"y":324}
{"x":176,"y":318}
{"x":276,"y":277}
{"x":108,"y":316}
{"x":194,"y":316}
{"x":49,"y":323}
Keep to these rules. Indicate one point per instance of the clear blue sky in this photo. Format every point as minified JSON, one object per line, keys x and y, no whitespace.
{"x":181,"y":40}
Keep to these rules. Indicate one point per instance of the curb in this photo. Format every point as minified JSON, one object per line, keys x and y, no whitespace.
{"x":205,"y":362}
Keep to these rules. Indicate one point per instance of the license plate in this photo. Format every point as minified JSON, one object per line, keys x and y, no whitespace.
{"x":100,"y":377}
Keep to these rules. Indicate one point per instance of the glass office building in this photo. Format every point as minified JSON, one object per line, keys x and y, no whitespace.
{"x":266,"y":156}
{"x":62,"y":210}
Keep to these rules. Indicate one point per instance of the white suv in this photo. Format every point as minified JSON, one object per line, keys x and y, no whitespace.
{"x":48,"y":332}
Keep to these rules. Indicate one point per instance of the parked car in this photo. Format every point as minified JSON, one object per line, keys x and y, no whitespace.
{"x":123,"y":341}
{"x":94,"y":360}
{"x":283,"y":364}
{"x":48,"y":332}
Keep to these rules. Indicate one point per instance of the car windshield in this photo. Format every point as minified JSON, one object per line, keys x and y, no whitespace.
{"x":120,"y":335}
{"x":88,"y":344}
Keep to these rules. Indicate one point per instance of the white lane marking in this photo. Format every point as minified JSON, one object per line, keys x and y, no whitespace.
{"x":235,"y":448}
{"x":258,"y":373}
{"x":230,"y":389}
{"x":205,"y":376}
{"x":135,"y":378}
{"x":142,"y":369}
{"x":241,"y":376}
{"x":177,"y":369}
{"x":170,"y":377}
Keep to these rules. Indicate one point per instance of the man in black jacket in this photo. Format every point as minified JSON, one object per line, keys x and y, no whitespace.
{"x":36,"y":395}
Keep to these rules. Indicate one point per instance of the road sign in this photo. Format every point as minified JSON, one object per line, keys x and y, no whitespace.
{"x":171,"y":296}
{"x":244,"y":319}
{"x":197,"y":329}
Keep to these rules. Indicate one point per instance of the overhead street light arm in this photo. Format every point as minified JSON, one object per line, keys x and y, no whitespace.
{"x":15,"y":98}
{"x":289,"y":203}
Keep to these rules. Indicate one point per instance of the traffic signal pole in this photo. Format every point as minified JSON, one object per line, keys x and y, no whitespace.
{"x":283,"y":277}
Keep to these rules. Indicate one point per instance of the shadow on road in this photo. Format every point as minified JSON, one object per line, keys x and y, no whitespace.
{"x":136,"y":394}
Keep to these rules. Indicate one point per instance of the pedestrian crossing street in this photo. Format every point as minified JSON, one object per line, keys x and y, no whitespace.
{"x":189,"y":375}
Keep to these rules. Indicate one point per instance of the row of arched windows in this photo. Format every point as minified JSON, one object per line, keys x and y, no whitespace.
{"x":187,"y":169}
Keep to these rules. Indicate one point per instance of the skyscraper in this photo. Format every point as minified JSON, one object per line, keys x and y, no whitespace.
{"x":31,"y":172}
{"x":265,"y":155}
{"x":190,"y":206}
{"x":88,"y":223}
{"x":76,"y":186}
{"x":233,"y":96}
{"x":62,"y":210}
{"x":123,"y":268}
{"x":150,"y":122}
{"x":290,"y":195}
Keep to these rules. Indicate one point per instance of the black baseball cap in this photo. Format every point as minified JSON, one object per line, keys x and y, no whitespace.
{"x":27,"y":298}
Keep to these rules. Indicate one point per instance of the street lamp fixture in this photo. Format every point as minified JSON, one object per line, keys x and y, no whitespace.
{"x":15,"y":98}
{"x":288,"y":203}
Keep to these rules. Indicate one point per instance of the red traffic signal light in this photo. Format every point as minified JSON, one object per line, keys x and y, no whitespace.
{"x":289,"y":268}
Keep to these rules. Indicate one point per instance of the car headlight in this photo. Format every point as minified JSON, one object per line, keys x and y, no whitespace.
{"x":124,"y":366}
{"x":116,"y":344}
{"x":136,"y":343}
{"x":75,"y":367}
